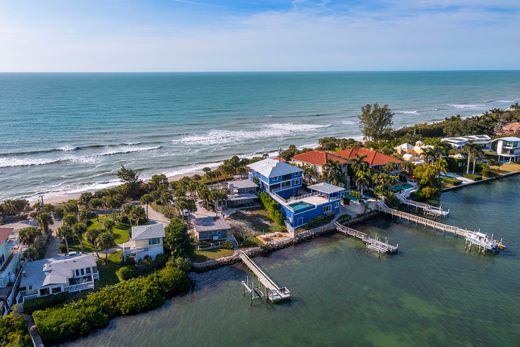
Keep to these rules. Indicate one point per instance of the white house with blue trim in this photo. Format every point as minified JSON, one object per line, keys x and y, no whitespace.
{"x":300,"y":205}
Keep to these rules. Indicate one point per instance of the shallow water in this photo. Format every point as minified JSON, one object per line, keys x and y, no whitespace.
{"x":71,"y":132}
{"x":432,"y":293}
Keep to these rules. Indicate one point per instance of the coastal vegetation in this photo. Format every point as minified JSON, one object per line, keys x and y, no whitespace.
{"x":13,"y":332}
{"x":272,"y":208}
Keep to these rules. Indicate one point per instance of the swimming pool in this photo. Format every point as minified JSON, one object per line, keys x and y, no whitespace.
{"x":300,"y":206}
{"x":401,"y":187}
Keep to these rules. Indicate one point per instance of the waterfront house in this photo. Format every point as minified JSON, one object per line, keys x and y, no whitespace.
{"x":300,"y":205}
{"x":211,"y":228}
{"x":242,"y":193}
{"x":458,"y":142}
{"x":57,"y":275}
{"x":274,"y":176}
{"x":507,"y":149}
{"x":317,"y":160}
{"x":146,"y":241}
{"x":374,"y":159}
{"x":9,"y":256}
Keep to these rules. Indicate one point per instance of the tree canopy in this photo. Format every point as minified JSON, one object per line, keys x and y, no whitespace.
{"x":375,"y":121}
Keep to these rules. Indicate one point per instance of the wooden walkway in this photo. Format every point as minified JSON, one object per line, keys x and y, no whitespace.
{"x":273,"y":292}
{"x":426,"y":208}
{"x":373,"y":244}
{"x":482,"y":241}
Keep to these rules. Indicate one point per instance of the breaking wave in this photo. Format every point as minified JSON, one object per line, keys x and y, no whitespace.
{"x":407,"y":112}
{"x":466,"y":106}
{"x":219,"y":137}
{"x":9,"y":161}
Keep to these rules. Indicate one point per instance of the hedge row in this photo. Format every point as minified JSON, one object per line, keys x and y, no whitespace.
{"x":273,"y":209}
{"x":95,"y":311}
{"x":13,"y":331}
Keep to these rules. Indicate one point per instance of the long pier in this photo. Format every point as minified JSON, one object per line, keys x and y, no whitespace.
{"x":373,"y":244}
{"x":482,"y":241}
{"x":273,"y":293}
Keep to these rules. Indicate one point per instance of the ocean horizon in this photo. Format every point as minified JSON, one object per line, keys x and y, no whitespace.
{"x":70,"y":132}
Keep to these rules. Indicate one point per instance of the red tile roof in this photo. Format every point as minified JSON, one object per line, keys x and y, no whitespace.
{"x":4,"y":234}
{"x":318,"y":157}
{"x":511,"y":127}
{"x":372,"y":157}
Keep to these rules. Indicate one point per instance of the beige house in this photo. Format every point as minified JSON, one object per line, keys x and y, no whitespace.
{"x":147,"y":240}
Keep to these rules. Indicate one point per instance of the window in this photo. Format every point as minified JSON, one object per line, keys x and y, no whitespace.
{"x":154,"y":241}
{"x":336,"y":205}
{"x":56,"y":290}
{"x":327,"y":208}
{"x":44,"y":291}
{"x":77,"y":273}
{"x":88,"y":270}
{"x":82,"y":272}
{"x":296,"y":182}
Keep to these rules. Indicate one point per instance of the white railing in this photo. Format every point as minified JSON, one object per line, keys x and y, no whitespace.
{"x":80,"y":287}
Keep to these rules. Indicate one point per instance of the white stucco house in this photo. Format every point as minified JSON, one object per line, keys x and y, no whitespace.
{"x":52,"y":276}
{"x":507,"y":149}
{"x":147,"y":240}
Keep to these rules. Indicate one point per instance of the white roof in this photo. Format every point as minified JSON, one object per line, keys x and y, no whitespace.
{"x":273,"y":168}
{"x":510,"y":138}
{"x":405,"y":146}
{"x":57,"y":270}
{"x":149,"y":231}
{"x":472,"y":138}
{"x":326,"y":188}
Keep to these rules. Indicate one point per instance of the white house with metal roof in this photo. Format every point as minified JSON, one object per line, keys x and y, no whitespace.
{"x":460,"y":141}
{"x":507,"y":149}
{"x":57,"y":275}
{"x":147,"y":240}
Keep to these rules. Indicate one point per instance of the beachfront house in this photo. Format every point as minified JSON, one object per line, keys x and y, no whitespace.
{"x":317,"y":159}
{"x":300,"y":205}
{"x":274,"y":176}
{"x":507,"y":149}
{"x":242,"y":193}
{"x":9,"y":256}
{"x":146,"y":241}
{"x":57,"y":275}
{"x":374,"y":159}
{"x":458,"y":142}
{"x":211,"y":228}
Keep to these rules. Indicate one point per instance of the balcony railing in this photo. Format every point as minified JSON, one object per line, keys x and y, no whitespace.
{"x":80,"y":287}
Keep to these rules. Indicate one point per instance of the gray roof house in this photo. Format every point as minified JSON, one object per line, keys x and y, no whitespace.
{"x":147,"y":240}
{"x":56,"y":275}
{"x":211,"y":228}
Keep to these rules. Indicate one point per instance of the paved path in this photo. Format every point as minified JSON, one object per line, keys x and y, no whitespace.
{"x":156,"y":215}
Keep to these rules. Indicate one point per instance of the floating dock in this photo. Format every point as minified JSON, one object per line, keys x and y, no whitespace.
{"x":267,"y":288}
{"x":483,"y":242}
{"x":373,"y":244}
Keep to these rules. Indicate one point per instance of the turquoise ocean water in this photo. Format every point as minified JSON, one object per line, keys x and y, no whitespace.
{"x":71,"y":132}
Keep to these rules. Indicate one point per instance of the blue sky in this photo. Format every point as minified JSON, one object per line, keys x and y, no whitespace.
{"x":254,"y":35}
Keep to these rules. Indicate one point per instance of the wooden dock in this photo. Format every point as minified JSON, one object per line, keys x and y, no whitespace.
{"x":373,"y":244}
{"x":482,"y":241}
{"x":426,"y":208}
{"x":270,"y":290}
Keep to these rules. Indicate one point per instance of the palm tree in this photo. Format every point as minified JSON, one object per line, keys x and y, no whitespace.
{"x":92,"y":235}
{"x":28,"y":235}
{"x":362,"y":179}
{"x":476,"y":152}
{"x":79,"y":229}
{"x":309,"y":174}
{"x":44,"y":219}
{"x":441,"y":166}
{"x":105,"y":241}
{"x":147,"y":199}
{"x":333,"y":172}
{"x":357,"y":164}
{"x":64,"y":232}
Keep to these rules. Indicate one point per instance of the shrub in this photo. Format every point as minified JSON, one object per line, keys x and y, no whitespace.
{"x":13,"y":332}
{"x":29,"y":306}
{"x":473,"y":177}
{"x":227,"y":245}
{"x":272,"y":208}
{"x":95,"y":311}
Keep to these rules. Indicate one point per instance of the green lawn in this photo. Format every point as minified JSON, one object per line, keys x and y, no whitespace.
{"x":258,"y":219}
{"x":201,"y":256}
{"x":107,"y":272}
{"x":120,"y":230}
